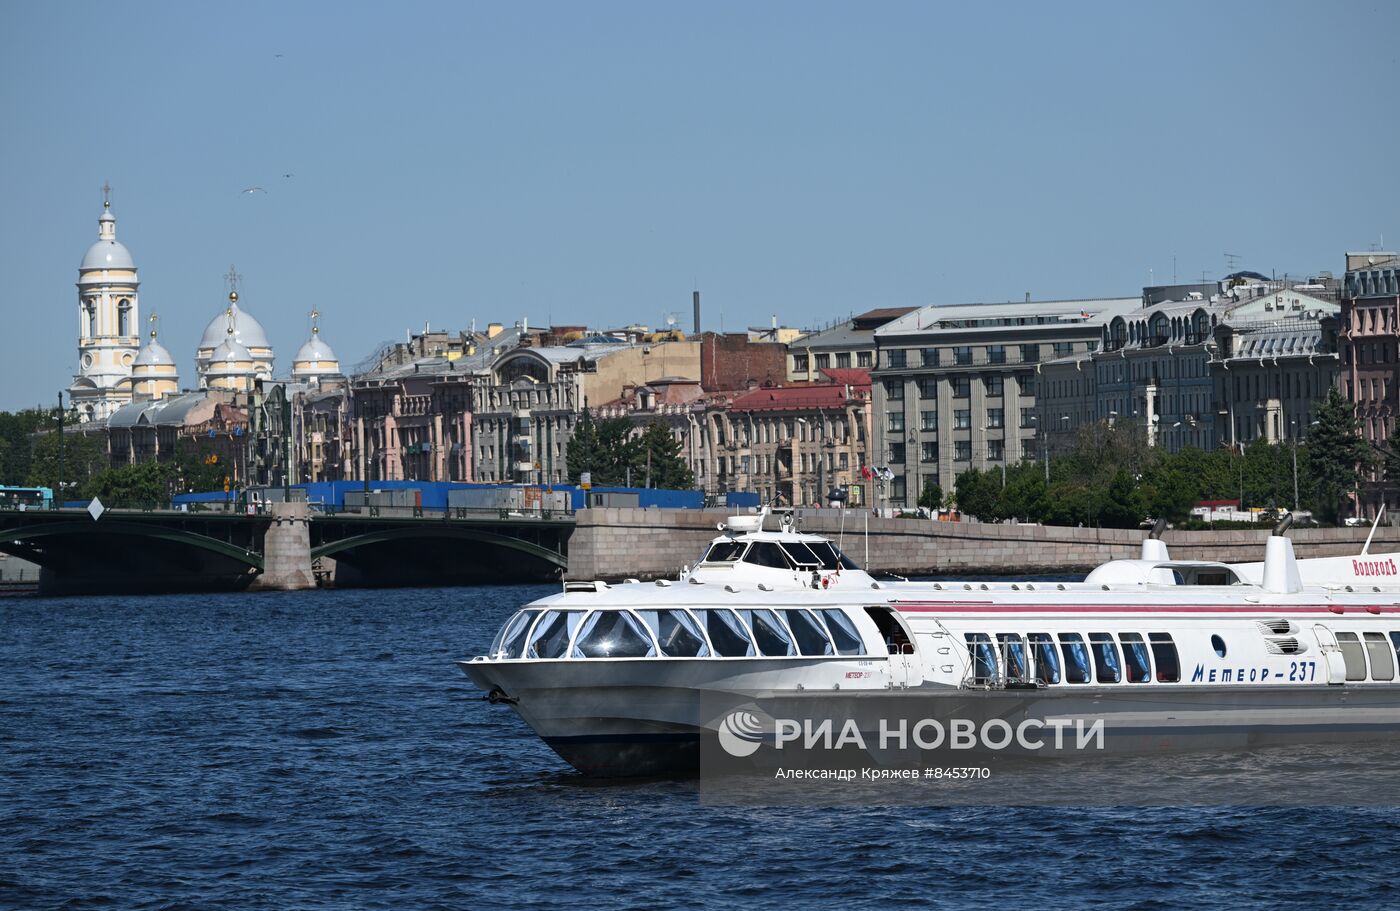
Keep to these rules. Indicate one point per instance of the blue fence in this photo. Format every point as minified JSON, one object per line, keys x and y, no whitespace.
{"x":434,"y":494}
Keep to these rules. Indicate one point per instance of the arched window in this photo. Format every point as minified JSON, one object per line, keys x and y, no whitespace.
{"x":124,"y":317}
{"x":89,"y":320}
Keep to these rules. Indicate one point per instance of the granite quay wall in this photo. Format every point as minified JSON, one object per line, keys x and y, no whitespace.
{"x":654,"y":543}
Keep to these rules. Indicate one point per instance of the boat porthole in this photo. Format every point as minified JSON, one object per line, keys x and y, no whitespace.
{"x":1218,"y":644}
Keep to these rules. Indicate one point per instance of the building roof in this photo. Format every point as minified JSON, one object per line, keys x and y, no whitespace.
{"x":153,"y":354}
{"x":246,"y":329}
{"x":873,"y":319}
{"x":791,"y":398}
{"x":850,"y":376}
{"x":989,"y":318}
{"x":314,"y":350}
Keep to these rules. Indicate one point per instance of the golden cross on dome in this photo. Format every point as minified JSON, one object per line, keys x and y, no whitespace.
{"x":106,"y":195}
{"x":229,"y":314}
{"x":315,"y":315}
{"x":152,"y":320}
{"x":233,"y":278}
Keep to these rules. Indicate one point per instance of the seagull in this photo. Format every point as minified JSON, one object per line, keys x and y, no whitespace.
{"x":254,"y":190}
{"x":288,"y":175}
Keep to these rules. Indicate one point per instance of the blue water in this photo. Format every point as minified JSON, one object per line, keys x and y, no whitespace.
{"x":320,"y":750}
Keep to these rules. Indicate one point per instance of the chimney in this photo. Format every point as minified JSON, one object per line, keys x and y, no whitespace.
{"x":695,"y":298}
{"x":494,"y":329}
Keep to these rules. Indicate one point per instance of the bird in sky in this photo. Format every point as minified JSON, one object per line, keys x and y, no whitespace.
{"x":288,"y":175}
{"x":254,"y":190}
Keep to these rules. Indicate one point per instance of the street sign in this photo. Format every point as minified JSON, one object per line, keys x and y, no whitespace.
{"x":96,"y":509}
{"x":585,"y":480}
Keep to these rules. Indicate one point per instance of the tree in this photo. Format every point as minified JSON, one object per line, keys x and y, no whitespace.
{"x":976,"y":493}
{"x":582,"y":450}
{"x":1339,"y":456}
{"x":659,"y":460}
{"x":83,"y":461}
{"x":1023,"y":497}
{"x":16,"y":430}
{"x":1391,"y":465}
{"x":931,"y":497}
{"x":138,"y":485}
{"x":1122,"y":505}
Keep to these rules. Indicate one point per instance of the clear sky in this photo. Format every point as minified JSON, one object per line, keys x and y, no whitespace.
{"x":595,"y":162}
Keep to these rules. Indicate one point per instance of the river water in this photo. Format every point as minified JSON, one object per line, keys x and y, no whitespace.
{"x":320,"y":750}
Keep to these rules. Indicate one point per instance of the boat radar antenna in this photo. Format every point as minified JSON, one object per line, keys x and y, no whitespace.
{"x":1366,"y":548}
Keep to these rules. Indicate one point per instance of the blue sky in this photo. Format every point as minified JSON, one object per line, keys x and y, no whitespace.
{"x":594,"y":162}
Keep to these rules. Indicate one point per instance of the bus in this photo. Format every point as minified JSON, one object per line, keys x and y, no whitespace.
{"x":22,"y":498}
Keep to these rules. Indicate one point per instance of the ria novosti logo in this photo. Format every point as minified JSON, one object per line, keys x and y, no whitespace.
{"x":741,"y":733}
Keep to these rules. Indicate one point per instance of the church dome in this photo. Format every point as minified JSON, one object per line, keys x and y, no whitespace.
{"x":230,"y":351}
{"x":153,"y":355}
{"x":315,"y":350}
{"x":246,"y":330}
{"x":108,"y":254}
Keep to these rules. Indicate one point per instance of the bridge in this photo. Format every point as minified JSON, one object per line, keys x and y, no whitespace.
{"x":283,"y":546}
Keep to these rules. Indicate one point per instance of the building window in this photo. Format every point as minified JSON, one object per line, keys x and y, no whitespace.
{"x":928,"y":388}
{"x":823,"y":361}
{"x":1030,"y":354}
{"x":1064,"y":349}
{"x":994,"y":384}
{"x":894,"y":390}
{"x":1027,"y":417}
{"x":895,"y":359}
{"x":996,"y":418}
{"x":843,"y":359}
{"x":962,"y":419}
{"x":962,"y":355}
{"x":928,"y":420}
{"x":895,"y":421}
{"x":863,"y":359}
{"x":897,"y":489}
{"x":928,"y":452}
{"x":996,"y":451}
{"x":962,"y":387}
{"x":996,"y":354}
{"x":800,"y":363}
{"x":897,"y":453}
{"x":929,"y":357}
{"x":962,"y":451}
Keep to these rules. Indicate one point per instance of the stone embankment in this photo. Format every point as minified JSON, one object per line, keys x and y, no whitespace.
{"x":617,"y":543}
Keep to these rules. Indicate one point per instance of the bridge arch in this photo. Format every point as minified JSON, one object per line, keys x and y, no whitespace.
{"x":20,"y":541}
{"x":407,"y":533}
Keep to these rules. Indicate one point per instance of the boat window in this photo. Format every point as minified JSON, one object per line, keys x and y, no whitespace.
{"x":831,"y":557}
{"x":1164,"y":656}
{"x":1047,"y":660}
{"x":771,"y":636}
{"x":801,"y":554}
{"x":1382,"y":658}
{"x":807,"y":630}
{"x":766,"y":553}
{"x":727,"y":634}
{"x":1076,"y":658}
{"x":1135,"y":658}
{"x":510,"y":641}
{"x":891,"y":630}
{"x":1218,"y":644}
{"x":843,"y":632}
{"x":550,"y":638}
{"x":1107,"y":668}
{"x":613,"y":634}
{"x":677,"y":633}
{"x":1395,"y":641}
{"x":724,"y":552}
{"x":1353,"y":655}
{"x":1013,"y":655}
{"x":984,"y":660}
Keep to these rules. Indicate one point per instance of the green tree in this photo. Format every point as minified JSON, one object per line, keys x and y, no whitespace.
{"x":931,"y":497}
{"x":659,"y":460}
{"x":1339,"y":456}
{"x":83,"y":461}
{"x":582,"y":450}
{"x":1391,"y":465}
{"x":1122,"y":503}
{"x":16,"y":445}
{"x":1023,"y":497}
{"x":136,"y":486}
{"x":976,"y":493}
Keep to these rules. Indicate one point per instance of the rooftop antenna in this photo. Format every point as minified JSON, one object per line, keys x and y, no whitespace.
{"x":1231,"y":259}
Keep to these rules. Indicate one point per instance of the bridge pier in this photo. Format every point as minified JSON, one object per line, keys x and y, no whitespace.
{"x":286,"y":550}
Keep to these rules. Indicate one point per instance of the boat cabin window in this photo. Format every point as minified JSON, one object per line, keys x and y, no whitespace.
{"x":1107,"y":668}
{"x":724,"y":552}
{"x":1382,"y":658}
{"x":843,"y":632}
{"x":613,"y":634}
{"x":769,"y":634}
{"x":983,"y":659}
{"x":801,"y":555}
{"x":831,"y":557}
{"x":727,"y":634}
{"x":809,"y":633}
{"x":1013,"y":655}
{"x":510,"y":641}
{"x":1047,"y":660}
{"x":1395,"y":642}
{"x":551,"y":635}
{"x":677,"y":633}
{"x":767,"y":553}
{"x":1164,"y":656}
{"x":1135,"y":660}
{"x":1353,"y":655}
{"x":1076,"y":658}
{"x":891,"y":630}
{"x":1218,"y":644}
